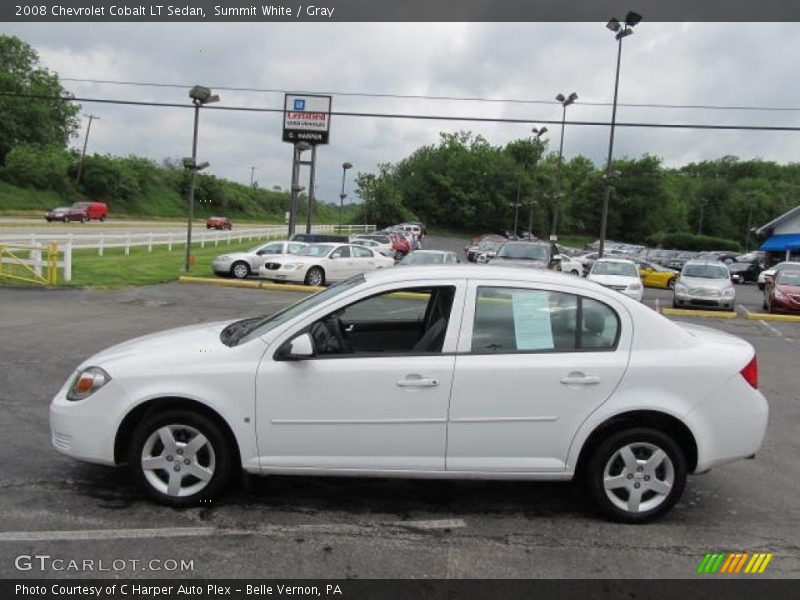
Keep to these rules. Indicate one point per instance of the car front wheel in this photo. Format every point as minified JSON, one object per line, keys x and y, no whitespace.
{"x":240,"y":270}
{"x":637,"y":475}
{"x":315,"y":276}
{"x":180,"y":457}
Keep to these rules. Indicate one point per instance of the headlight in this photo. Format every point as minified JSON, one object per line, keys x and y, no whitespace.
{"x":224,"y":257}
{"x":779,"y":294}
{"x":635,"y":286}
{"x":87,"y":382}
{"x":728,"y":293}
{"x":681,"y":289}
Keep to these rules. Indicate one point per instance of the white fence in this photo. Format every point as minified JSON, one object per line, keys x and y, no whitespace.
{"x":69,"y":241}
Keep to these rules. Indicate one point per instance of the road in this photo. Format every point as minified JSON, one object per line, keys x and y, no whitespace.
{"x":378,"y":528}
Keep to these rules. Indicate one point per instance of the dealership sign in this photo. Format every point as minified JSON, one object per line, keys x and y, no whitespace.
{"x":306,"y":118}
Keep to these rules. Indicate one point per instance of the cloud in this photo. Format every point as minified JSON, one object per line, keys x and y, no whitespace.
{"x":663,"y":63}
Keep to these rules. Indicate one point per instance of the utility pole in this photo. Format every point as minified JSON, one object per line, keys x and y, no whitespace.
{"x":252,"y":175}
{"x":85,"y":143}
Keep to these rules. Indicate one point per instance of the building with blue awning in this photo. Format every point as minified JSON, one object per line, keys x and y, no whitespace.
{"x":783,"y":236}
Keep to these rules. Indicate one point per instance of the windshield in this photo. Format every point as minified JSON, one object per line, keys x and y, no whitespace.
{"x":248,"y":329}
{"x":705,"y":271}
{"x":615,"y":268}
{"x":315,"y":250}
{"x":423,"y":258}
{"x":523,"y":251}
{"x":788,"y":278}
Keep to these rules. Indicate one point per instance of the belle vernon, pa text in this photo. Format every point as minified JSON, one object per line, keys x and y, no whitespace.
{"x":158,"y":591}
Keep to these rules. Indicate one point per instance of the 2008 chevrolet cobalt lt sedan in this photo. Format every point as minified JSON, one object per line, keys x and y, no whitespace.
{"x":436,"y":371}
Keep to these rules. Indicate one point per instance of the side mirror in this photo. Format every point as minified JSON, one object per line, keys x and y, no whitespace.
{"x":297,"y":348}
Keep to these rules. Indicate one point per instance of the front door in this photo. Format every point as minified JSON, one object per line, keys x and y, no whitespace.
{"x":375,"y":395}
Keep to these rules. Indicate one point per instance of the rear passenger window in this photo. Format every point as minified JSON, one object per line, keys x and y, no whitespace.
{"x":509,"y":320}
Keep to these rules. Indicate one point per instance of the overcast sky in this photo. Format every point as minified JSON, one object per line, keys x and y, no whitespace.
{"x":684,"y":63}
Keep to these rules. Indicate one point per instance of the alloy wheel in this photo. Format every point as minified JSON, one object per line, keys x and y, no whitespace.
{"x":638,"y":477}
{"x":178,"y":460}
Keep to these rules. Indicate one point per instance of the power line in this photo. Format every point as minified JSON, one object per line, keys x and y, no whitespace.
{"x":527,"y":121}
{"x":444,"y":98}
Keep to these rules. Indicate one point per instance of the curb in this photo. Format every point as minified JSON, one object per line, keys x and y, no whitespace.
{"x":773,"y":317}
{"x":681,"y":312}
{"x":261,"y":285}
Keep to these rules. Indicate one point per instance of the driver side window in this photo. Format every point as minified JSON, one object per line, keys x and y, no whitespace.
{"x":408,"y":320}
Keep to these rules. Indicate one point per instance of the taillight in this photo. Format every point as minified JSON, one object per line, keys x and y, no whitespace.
{"x":750,"y":372}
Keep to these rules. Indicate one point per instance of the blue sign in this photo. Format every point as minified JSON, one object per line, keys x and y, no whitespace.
{"x":299,"y":104}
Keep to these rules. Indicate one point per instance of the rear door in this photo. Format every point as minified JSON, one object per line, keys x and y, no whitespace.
{"x":533,"y":362}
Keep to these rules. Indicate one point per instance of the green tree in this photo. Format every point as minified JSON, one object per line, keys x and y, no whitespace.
{"x":23,"y":120}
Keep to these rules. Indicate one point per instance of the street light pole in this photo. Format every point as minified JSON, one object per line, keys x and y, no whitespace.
{"x":342,"y":195}
{"x":85,"y":143}
{"x":565,"y":102}
{"x":192,"y":175}
{"x":200,"y":95}
{"x":621,"y":31}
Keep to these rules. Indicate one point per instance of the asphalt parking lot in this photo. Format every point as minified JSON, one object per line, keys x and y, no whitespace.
{"x":318,"y":527}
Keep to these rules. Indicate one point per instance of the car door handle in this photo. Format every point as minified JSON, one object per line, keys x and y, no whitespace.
{"x":417,"y":381}
{"x":580,"y":379}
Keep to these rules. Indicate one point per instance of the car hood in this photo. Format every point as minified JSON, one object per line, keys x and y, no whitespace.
{"x":695,"y":282}
{"x":235,"y":255}
{"x":189,"y":340}
{"x":789,"y":289}
{"x":613,"y":279}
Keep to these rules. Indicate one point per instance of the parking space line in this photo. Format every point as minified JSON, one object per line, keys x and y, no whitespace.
{"x":174,"y":532}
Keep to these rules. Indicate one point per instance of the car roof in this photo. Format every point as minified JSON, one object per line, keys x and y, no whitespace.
{"x":469,"y":271}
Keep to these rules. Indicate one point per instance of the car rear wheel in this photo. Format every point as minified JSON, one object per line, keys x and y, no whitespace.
{"x":180,"y":457}
{"x":637,"y":475}
{"x":315,"y":276}
{"x":240,"y":270}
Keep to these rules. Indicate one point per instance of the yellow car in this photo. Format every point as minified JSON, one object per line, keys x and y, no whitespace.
{"x":656,"y":276}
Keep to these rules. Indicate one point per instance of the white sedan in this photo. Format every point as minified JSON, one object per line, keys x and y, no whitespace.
{"x":432,"y":372}
{"x":618,"y":274}
{"x":319,"y":264}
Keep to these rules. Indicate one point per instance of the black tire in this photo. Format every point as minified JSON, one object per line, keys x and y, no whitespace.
{"x":66,"y":219}
{"x":643,"y":438}
{"x":222,"y":461}
{"x":208,"y":226}
{"x":315,"y":276}
{"x":764,"y":304}
{"x":83,"y":219}
{"x":761,"y":286}
{"x":102,"y":219}
{"x":398,"y":255}
{"x":237,"y":272}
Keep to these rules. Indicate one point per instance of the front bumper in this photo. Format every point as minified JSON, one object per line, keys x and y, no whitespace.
{"x":86,"y":429}
{"x":703,"y":301}
{"x":291,"y":275}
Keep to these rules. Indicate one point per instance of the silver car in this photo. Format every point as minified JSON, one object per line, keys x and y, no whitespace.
{"x":704,"y":284}
{"x":242,"y":264}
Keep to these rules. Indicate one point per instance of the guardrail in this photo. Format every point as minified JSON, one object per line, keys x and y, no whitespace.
{"x":14,"y":267}
{"x":202,"y":237}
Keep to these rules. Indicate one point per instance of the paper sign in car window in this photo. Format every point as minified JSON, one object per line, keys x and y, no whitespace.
{"x":532,"y":320}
